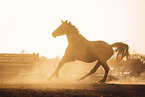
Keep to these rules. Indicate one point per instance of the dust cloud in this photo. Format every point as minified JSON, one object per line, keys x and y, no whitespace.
{"x":140,"y":80}
{"x":68,"y":76}
{"x":38,"y":77}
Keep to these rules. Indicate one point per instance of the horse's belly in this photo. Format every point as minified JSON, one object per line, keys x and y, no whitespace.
{"x":86,"y":56}
{"x":87,"y":59}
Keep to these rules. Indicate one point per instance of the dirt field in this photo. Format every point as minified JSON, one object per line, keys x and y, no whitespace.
{"x":91,"y":90}
{"x":37,"y":85}
{"x":43,"y":88}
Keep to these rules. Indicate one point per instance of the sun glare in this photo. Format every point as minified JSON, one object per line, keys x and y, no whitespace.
{"x":30,"y":28}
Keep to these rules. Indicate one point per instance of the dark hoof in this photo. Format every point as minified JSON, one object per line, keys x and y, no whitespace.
{"x":101,"y":81}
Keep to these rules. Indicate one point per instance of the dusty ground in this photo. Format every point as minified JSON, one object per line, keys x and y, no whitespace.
{"x":71,"y":90}
{"x":40,"y":87}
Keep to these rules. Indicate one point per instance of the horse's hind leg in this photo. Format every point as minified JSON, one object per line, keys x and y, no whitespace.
{"x":106,"y":67}
{"x":91,"y":72}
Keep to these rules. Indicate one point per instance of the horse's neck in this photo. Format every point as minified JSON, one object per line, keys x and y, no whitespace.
{"x":76,"y":38}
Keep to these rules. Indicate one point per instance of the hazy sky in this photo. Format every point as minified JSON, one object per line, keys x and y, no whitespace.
{"x":28,"y":24}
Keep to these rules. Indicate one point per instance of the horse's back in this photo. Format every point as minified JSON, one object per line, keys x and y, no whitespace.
{"x":97,"y":45}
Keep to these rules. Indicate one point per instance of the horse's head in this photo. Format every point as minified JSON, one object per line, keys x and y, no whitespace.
{"x":61,"y":30}
{"x":64,"y":28}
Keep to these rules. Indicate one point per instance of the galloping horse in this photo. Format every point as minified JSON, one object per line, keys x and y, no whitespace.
{"x":79,"y":48}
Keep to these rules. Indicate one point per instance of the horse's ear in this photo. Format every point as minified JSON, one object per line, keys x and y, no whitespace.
{"x":62,"y":21}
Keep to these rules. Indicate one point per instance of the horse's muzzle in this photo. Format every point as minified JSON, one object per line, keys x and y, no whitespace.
{"x":53,"y":35}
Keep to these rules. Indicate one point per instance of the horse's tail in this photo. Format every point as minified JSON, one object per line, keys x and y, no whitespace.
{"x":122,"y":50}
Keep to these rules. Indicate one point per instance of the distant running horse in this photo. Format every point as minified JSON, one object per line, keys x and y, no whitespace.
{"x":79,"y":48}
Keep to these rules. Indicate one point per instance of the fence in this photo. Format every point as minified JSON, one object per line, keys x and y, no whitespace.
{"x":17,"y":62}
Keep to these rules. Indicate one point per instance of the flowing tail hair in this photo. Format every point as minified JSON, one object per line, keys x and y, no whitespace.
{"x":122,"y":50}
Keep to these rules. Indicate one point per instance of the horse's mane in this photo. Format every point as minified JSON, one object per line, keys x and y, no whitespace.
{"x":74,"y":27}
{"x":75,"y":30}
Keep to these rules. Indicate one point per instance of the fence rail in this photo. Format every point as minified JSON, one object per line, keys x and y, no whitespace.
{"x":18,"y":61}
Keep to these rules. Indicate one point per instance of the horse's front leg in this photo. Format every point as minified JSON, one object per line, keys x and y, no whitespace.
{"x":55,"y":74}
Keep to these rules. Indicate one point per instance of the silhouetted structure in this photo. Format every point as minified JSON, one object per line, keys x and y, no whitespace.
{"x":18,"y":62}
{"x":79,"y":48}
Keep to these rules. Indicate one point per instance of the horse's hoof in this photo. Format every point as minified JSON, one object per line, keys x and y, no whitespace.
{"x":49,"y":79}
{"x":57,"y":75}
{"x":101,"y":81}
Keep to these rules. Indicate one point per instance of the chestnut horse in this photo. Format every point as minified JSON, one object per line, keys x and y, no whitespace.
{"x":79,"y":48}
